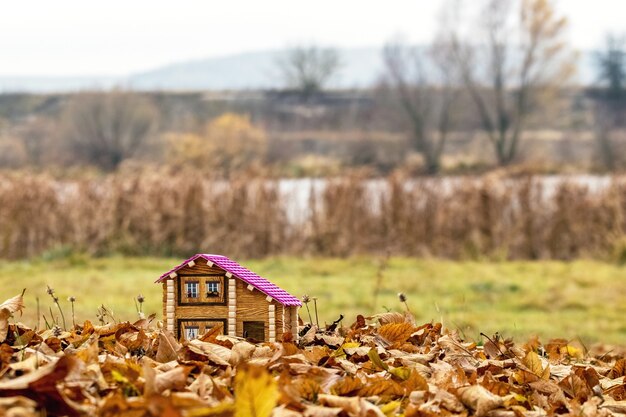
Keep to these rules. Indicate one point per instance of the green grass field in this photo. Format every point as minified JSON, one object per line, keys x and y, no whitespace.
{"x":581,"y":299}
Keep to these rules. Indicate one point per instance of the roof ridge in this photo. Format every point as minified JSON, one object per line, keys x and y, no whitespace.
{"x":262,"y":284}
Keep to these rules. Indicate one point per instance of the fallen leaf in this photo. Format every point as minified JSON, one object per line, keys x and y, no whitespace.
{"x":256,"y":392}
{"x":168,"y":347}
{"x":478,"y":399}
{"x":396,"y":332}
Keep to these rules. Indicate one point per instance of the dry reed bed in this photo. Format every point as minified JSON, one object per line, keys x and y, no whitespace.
{"x":160,"y":213}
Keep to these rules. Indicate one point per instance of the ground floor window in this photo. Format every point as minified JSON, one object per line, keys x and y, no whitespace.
{"x":191,"y":332}
{"x":190,"y":329}
{"x":254,"y":330}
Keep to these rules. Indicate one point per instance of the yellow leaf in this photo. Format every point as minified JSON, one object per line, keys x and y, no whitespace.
{"x":222,"y":409}
{"x":340,"y":353}
{"x":256,"y":392}
{"x":402,"y":372}
{"x":375,"y":358}
{"x":533,"y":363}
{"x":390,"y":408}
{"x":574,"y":352}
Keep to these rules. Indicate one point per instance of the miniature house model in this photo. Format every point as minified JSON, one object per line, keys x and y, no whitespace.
{"x":211,"y":290}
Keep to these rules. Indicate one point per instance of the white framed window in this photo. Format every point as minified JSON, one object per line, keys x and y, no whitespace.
{"x":191,"y":332}
{"x":212,"y":288}
{"x":191,"y":288}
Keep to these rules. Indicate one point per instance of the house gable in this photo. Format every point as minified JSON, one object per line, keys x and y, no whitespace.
{"x":195,"y":263}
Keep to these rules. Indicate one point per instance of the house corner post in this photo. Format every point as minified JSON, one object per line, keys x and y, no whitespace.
{"x":294,"y":322}
{"x":272,"y":322}
{"x":170,"y":306}
{"x":232,"y":307}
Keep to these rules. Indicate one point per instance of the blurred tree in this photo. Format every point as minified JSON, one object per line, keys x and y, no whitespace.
{"x":515,"y":59}
{"x":611,"y":64}
{"x":37,"y":136}
{"x":610,"y":103}
{"x":308,"y":69}
{"x":236,"y":142}
{"x":426,"y":95}
{"x":105,"y":128}
{"x":230,"y":143}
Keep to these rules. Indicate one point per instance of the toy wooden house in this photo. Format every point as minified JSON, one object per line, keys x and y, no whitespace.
{"x":211,"y":290}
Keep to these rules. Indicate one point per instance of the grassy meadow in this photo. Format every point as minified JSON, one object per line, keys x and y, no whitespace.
{"x":583,"y":300}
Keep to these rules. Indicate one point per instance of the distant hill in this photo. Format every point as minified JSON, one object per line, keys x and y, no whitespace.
{"x":254,"y":70}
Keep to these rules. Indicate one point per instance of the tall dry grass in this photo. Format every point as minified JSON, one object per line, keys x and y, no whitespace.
{"x":178,"y":213}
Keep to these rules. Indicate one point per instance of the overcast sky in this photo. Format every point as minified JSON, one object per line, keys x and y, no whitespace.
{"x":118,"y":37}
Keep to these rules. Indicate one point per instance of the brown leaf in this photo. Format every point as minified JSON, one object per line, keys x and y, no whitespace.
{"x":6,"y":353}
{"x":477,"y":398}
{"x":359,"y":323}
{"x":396,"y":332}
{"x":381,"y":386}
{"x":351,"y":405}
{"x":217,"y":354}
{"x":7,"y":309}
{"x":575,"y":387}
{"x":347,"y":386}
{"x":390,"y":317}
{"x":168,"y":347}
{"x":41,"y":386}
{"x":13,"y":304}
{"x":157,"y":383}
{"x":619,"y":369}
{"x":415,"y":382}
{"x":533,"y":364}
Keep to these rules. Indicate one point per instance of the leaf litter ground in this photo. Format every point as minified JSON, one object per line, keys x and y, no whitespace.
{"x":381,"y":366}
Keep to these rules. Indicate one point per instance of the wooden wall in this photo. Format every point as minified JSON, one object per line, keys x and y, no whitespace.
{"x":251,"y":305}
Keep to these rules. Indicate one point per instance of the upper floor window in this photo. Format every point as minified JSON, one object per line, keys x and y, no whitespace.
{"x":202,"y":289}
{"x":192,"y":289}
{"x":212,"y":289}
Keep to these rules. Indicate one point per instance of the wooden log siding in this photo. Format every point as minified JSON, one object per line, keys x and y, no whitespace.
{"x":283,"y":319}
{"x":272,"y":322}
{"x":251,"y":306}
{"x":170,"y":305}
{"x":294,"y":322}
{"x":232,"y":306}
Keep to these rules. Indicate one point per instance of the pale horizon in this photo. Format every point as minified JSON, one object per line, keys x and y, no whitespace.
{"x":116,"y":38}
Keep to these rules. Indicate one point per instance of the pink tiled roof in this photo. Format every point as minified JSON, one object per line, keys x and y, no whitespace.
{"x":243,"y":274}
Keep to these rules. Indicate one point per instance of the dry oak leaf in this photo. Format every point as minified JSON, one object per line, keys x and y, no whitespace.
{"x":217,"y":354}
{"x":41,"y":386}
{"x":157,"y":383}
{"x":390,"y":317}
{"x":381,"y":386}
{"x":320,"y":411}
{"x":534,"y":370}
{"x":575,"y":387}
{"x":354,"y":406}
{"x":618,"y":370}
{"x":396,"y":332}
{"x":18,"y":407}
{"x":256,"y":392}
{"x":479,"y":399}
{"x":347,"y":386}
{"x":415,"y":382}
{"x":168,"y":347}
{"x":7,"y":308}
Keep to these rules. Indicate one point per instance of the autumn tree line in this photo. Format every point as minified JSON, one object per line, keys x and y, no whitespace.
{"x":499,"y":70}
